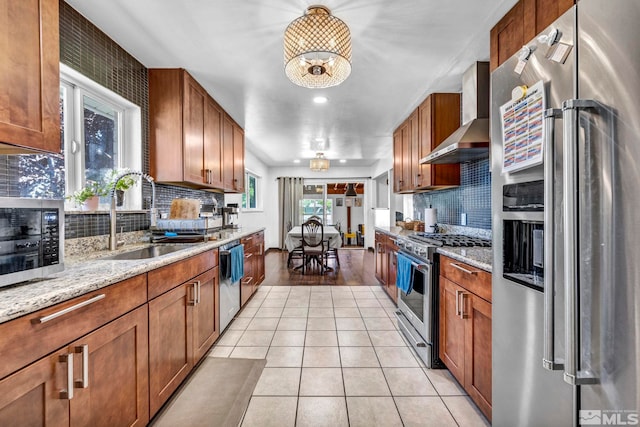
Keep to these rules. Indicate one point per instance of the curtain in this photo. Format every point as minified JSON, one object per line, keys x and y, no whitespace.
{"x":289,"y":196}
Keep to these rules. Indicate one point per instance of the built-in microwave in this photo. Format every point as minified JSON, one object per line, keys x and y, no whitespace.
{"x":31,"y":239}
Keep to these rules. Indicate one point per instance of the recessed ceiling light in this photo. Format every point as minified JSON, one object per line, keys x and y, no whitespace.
{"x":320,"y":99}
{"x":296,"y":161}
{"x":343,"y":161}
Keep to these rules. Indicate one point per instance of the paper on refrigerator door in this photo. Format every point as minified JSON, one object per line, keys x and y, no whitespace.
{"x":522,"y":130}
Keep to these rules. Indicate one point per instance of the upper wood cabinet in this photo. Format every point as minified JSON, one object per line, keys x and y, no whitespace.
{"x":438,"y":117}
{"x":29,"y":77}
{"x":191,"y":137}
{"x":521,"y":24}
{"x":232,"y":156}
{"x":397,"y":160}
{"x":238,"y":159}
{"x":431,"y":123}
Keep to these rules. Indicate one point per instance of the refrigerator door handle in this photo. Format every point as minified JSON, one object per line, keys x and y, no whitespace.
{"x":549,"y":360}
{"x":570,"y":115}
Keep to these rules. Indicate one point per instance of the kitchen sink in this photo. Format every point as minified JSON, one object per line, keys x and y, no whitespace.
{"x":148,"y":252}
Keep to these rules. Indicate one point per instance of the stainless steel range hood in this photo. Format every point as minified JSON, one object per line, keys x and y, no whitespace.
{"x":471,"y":140}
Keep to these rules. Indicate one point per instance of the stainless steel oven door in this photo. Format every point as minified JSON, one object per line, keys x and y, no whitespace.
{"x":416,"y":306}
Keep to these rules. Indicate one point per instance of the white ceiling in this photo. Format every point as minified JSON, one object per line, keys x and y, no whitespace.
{"x":402,"y":51}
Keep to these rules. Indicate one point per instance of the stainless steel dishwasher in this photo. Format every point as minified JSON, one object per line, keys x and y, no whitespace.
{"x":229,"y":292}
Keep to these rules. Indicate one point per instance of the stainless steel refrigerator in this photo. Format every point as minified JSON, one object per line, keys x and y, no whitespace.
{"x":566,"y":277}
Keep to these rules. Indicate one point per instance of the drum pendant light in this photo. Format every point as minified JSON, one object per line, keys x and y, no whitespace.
{"x":317,"y":49}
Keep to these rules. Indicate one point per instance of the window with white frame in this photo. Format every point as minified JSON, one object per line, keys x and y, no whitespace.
{"x":101,"y":131}
{"x":251,"y":198}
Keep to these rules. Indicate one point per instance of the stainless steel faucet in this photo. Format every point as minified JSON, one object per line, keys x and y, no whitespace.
{"x":153,"y":213}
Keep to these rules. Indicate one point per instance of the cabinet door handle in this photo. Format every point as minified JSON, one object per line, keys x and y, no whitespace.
{"x":62,"y":312}
{"x":84,"y":381}
{"x":68,"y":392}
{"x":459,"y":267}
{"x":458,"y":302}
{"x":199,"y":287}
{"x":249,"y":255}
{"x":194,"y":294}
{"x":462,"y":313}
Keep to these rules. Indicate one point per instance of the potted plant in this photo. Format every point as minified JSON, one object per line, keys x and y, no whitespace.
{"x":88,"y":197}
{"x":121,"y":186}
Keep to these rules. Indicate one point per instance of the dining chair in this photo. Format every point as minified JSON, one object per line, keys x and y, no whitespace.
{"x":295,"y":253}
{"x":313,"y":244}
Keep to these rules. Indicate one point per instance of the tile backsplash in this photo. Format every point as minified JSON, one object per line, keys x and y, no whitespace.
{"x":472,"y":197}
{"x":88,"y":50}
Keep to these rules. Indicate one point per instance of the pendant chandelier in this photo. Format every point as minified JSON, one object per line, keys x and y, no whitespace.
{"x":351,"y":191}
{"x":317,"y":49}
{"x":319,"y":163}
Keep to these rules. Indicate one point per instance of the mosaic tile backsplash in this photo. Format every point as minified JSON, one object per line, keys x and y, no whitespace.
{"x":88,"y":50}
{"x":472,"y":197}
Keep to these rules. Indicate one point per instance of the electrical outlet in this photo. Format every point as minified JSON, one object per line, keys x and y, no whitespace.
{"x":463,"y":219}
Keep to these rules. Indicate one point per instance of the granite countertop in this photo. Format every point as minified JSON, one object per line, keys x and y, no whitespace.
{"x":81,"y":276}
{"x":478,"y":257}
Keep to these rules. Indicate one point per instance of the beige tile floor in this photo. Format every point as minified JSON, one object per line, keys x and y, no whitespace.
{"x":335,"y":358}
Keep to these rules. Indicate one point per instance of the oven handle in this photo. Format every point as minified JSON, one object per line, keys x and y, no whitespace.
{"x":418,"y":265}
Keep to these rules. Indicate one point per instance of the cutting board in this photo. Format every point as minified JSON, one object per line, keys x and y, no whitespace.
{"x":184,"y":209}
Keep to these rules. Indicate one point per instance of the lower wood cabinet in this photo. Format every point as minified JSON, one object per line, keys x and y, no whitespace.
{"x":254,"y":268}
{"x":99,"y":380}
{"x":183,"y":324}
{"x":132,"y":345}
{"x":386,"y":264}
{"x":465,"y":328}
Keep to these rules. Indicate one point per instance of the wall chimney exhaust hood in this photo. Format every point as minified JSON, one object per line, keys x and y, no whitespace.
{"x":471,"y":140}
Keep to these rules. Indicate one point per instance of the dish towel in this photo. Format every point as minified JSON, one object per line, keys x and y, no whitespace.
{"x":237,"y":263}
{"x":404,"y":276}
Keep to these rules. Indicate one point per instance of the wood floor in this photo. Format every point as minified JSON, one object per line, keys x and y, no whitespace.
{"x":357,"y":267}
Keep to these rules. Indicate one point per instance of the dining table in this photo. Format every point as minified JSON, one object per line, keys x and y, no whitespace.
{"x":331,"y":234}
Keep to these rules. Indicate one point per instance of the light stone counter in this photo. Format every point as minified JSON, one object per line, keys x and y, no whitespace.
{"x":477,"y":257}
{"x":88,"y":273}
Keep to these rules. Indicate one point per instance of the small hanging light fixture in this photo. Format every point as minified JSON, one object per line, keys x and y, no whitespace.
{"x":317,"y":49}
{"x":319,"y":163}
{"x":351,"y":191}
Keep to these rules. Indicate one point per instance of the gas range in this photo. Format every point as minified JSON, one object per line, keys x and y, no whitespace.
{"x":424,"y":245}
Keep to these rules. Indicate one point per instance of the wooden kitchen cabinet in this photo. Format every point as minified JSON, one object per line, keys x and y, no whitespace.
{"x":32,"y":396}
{"x":206,"y":316}
{"x":392,"y":269}
{"x":465,"y":328}
{"x":193,"y":142}
{"x":437,"y":117}
{"x":521,"y":24}
{"x":114,"y":391}
{"x":381,"y":259}
{"x":170,"y":343}
{"x":253,"y":265}
{"x":386,"y":264}
{"x":30,"y":78}
{"x":238,"y":159}
{"x":397,"y":160}
{"x":213,"y":142}
{"x":183,"y":321}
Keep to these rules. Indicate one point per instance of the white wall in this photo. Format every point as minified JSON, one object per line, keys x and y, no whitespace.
{"x":263,"y":217}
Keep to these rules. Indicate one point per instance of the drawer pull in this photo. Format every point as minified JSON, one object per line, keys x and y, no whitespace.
{"x":68,"y":393}
{"x":459,"y":267}
{"x":247,"y":280}
{"x":57,"y":314}
{"x":249,"y":255}
{"x":84,"y":350}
